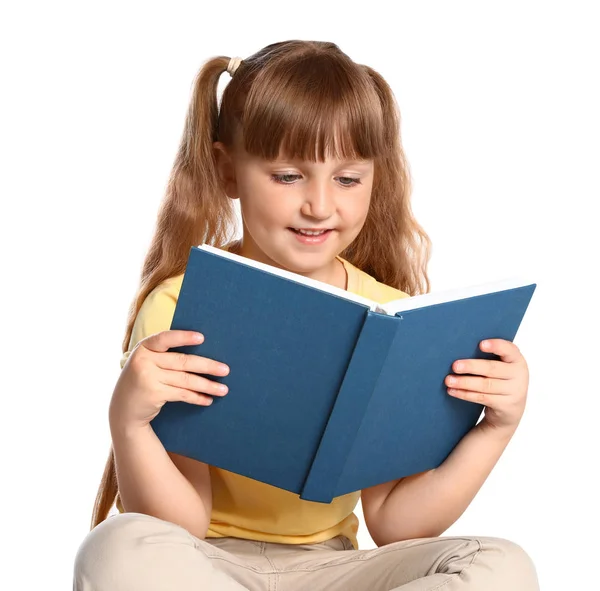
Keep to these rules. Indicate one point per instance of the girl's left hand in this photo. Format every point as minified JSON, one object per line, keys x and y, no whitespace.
{"x":502,"y":387}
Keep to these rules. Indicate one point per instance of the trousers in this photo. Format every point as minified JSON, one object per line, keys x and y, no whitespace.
{"x":136,"y":552}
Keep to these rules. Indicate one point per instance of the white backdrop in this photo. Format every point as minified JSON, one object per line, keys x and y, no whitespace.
{"x":500,"y":124}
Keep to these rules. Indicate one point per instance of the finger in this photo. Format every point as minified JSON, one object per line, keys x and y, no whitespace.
{"x":476,"y":384}
{"x":167,"y":339}
{"x":483,"y":367}
{"x":192,"y":382}
{"x":188,"y":362}
{"x":506,"y":350}
{"x":490,"y":400}
{"x":183,"y":395}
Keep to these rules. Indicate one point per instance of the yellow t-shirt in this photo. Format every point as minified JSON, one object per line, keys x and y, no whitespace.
{"x":246,"y":508}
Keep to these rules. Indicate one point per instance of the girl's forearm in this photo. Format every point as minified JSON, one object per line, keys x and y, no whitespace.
{"x":150,"y":483}
{"x":427,"y":504}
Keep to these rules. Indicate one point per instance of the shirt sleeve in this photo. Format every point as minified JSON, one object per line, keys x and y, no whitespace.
{"x":156,"y":313}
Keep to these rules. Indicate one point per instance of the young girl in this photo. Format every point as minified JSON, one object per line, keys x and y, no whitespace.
{"x":308,"y":141}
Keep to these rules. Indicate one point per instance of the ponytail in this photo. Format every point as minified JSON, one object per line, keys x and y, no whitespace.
{"x":195,"y":210}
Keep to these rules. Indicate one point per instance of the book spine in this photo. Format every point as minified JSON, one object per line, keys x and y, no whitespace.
{"x":369,"y":355}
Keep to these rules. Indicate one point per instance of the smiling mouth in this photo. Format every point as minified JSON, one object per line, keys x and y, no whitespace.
{"x":307,"y":232}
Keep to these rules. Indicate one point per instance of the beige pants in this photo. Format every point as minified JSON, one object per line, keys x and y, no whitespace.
{"x":135,"y":552}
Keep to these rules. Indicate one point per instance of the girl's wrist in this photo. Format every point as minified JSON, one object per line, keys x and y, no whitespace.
{"x":127,"y":430}
{"x":502,"y":433}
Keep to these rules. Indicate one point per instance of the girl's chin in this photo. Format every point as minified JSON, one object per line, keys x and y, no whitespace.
{"x":296,"y":255}
{"x":307,"y":264}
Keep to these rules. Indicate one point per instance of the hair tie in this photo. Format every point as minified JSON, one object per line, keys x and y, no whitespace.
{"x":234,"y":64}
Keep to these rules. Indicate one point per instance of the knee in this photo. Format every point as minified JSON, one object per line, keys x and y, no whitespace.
{"x":512,"y":558}
{"x":513,"y":554}
{"x":118,"y":545}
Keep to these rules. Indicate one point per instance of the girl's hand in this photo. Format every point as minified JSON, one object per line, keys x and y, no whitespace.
{"x":502,"y":387}
{"x":153,"y":375}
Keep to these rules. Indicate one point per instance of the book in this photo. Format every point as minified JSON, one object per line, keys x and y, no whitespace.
{"x":329,"y":392}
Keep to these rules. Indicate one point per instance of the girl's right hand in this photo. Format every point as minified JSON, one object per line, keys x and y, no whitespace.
{"x":154,"y":375}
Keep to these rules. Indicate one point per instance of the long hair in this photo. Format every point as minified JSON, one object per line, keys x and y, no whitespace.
{"x":306,"y":99}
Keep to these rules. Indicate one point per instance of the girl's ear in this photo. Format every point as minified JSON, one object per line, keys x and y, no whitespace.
{"x":225,"y":169}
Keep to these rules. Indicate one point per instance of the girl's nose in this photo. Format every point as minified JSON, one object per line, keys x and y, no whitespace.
{"x":318,"y":202}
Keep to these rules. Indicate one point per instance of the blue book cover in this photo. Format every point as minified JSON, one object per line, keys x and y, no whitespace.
{"x":328,"y":392}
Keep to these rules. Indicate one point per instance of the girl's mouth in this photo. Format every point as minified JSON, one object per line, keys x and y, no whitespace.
{"x":311,"y":236}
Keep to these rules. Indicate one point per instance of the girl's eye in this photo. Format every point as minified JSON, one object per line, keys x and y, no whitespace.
{"x":352,"y":180}
{"x":284,"y":178}
{"x":287,"y":179}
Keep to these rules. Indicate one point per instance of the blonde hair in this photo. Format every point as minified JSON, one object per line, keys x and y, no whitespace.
{"x":306,"y":99}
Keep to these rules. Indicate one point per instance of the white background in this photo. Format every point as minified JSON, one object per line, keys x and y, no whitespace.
{"x":500,"y":124}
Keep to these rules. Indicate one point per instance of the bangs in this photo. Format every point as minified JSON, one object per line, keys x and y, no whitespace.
{"x":314,"y":108}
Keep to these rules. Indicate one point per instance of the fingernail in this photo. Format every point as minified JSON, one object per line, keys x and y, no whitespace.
{"x":198,"y":337}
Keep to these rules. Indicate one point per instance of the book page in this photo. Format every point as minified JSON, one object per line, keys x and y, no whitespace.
{"x":293,"y":277}
{"x":459,"y":293}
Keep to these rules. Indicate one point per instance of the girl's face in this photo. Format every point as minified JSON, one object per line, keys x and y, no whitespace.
{"x":298,"y":215}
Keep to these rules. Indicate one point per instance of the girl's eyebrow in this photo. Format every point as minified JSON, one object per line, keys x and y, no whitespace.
{"x":355,"y":162}
{"x":299,"y":161}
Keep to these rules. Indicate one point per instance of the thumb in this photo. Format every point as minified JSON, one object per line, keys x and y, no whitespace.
{"x":165,"y":340}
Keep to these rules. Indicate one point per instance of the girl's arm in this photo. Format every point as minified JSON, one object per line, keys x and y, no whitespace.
{"x":426,"y":504}
{"x":157,"y":483}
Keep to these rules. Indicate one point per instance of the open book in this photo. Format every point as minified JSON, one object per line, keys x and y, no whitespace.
{"x":328,"y":392}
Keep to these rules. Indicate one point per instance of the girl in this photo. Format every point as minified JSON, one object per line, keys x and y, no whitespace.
{"x":308,"y":141}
